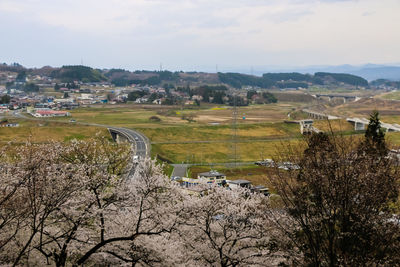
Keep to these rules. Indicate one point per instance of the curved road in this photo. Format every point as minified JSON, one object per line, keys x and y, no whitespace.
{"x":140,"y":141}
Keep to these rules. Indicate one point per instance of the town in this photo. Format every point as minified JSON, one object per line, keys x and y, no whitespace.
{"x":199,"y":133}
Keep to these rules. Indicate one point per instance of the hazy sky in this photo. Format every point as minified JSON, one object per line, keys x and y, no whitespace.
{"x":194,"y":34}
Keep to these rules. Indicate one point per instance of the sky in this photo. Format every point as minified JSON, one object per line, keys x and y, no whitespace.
{"x":199,"y":34}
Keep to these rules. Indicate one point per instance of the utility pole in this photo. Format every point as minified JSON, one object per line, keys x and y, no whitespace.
{"x":234,"y":130}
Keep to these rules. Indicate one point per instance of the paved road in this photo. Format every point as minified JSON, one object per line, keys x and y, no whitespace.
{"x":140,"y":141}
{"x":180,"y":170}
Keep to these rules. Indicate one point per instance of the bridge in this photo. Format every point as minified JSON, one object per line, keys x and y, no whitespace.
{"x":362,"y":123}
{"x":306,"y":127}
{"x":319,"y":116}
{"x":344,"y":97}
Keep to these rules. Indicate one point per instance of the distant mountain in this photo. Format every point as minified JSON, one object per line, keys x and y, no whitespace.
{"x":382,"y":72}
{"x":368,"y":71}
{"x":262,"y":76}
{"x":291,"y":80}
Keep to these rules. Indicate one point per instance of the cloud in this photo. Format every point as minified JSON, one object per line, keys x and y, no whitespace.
{"x":186,"y":31}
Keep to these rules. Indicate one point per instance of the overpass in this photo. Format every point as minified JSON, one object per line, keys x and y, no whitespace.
{"x":141,"y":142}
{"x":319,"y":116}
{"x":332,"y":96}
{"x":306,"y":127}
{"x":362,"y":123}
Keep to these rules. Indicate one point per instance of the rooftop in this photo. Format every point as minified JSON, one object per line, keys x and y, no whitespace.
{"x":240,"y":181}
{"x":211,"y":174}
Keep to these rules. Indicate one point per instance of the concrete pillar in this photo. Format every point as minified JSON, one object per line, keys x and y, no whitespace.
{"x":358,"y":126}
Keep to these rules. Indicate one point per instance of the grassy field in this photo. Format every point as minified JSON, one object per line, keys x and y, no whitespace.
{"x":208,"y":138}
{"x":178,"y":140}
{"x":258,"y":175}
{"x":218,"y":152}
{"x":390,"y":96}
{"x":195,"y":132}
{"x":42,"y":131}
{"x":336,"y":125}
{"x":139,"y":115}
{"x":365,"y":106}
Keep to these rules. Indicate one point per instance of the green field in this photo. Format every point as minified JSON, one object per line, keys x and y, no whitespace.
{"x":139,"y":115}
{"x":45,"y":131}
{"x":391,"y":96}
{"x":207,"y":137}
{"x":218,"y":152}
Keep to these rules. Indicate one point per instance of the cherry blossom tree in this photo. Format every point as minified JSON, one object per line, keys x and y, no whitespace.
{"x":229,"y":228}
{"x":87,"y":203}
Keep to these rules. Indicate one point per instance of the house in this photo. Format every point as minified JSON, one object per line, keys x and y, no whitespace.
{"x":189,"y":182}
{"x":141,"y":100}
{"x":197,"y":97}
{"x":86,"y":96}
{"x":212,"y":177}
{"x":50,"y":113}
{"x":4,"y":108}
{"x":239,"y":183}
{"x":261,"y":190}
{"x":8,"y":124}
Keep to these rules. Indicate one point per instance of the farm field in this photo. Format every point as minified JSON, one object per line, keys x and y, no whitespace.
{"x":390,"y":96}
{"x":363,"y":108}
{"x":207,"y":136}
{"x":336,"y":125}
{"x":199,"y":133}
{"x":44,"y":131}
{"x":219,"y":152}
{"x":135,"y":115}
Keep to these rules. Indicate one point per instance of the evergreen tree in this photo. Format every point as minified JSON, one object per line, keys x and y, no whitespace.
{"x":374,"y":135}
{"x":5,"y":99}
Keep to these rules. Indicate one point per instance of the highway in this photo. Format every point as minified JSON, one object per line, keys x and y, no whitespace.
{"x":141,"y":142}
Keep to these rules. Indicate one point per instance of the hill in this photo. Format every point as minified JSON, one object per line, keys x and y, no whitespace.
{"x":271,"y":80}
{"x":290,"y":80}
{"x":78,"y":73}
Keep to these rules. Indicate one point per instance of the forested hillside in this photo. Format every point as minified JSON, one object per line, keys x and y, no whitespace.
{"x":122,"y":77}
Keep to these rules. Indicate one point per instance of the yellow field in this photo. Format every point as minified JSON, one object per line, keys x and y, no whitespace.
{"x":335,"y":125}
{"x":48,"y":131}
{"x":221,"y":132}
{"x":138,"y":115}
{"x":218,"y":151}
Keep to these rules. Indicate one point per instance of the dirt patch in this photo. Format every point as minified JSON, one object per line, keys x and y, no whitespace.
{"x":364,"y":106}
